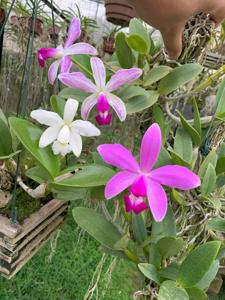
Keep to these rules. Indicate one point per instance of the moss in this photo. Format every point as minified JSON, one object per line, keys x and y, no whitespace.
{"x":25,"y":205}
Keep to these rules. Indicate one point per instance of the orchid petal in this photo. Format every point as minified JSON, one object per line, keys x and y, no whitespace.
{"x":118,"y":183}
{"x":150,"y":147}
{"x":176,"y":177}
{"x":74,"y":32}
{"x":87,"y":105}
{"x":157,"y":201}
{"x":81,"y":48}
{"x":46,"y":53}
{"x":122,"y":77}
{"x":139,"y":205}
{"x":132,"y":203}
{"x":139,"y":187}
{"x":70,"y":110}
{"x":75,"y":142}
{"x":77,"y":80}
{"x":103,"y":103}
{"x":118,"y":106}
{"x":48,"y":118}
{"x":66,"y":64}
{"x":62,"y":149}
{"x":119,"y":156}
{"x":98,"y":70}
{"x":129,"y":203}
{"x":86,"y":128}
{"x":48,"y":136}
{"x":53,"y":70}
{"x":64,"y":135}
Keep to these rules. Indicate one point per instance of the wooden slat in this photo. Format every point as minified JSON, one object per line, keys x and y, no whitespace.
{"x":35,"y":219}
{"x":6,"y":228}
{"x":15,"y":249}
{"x":32,"y":249}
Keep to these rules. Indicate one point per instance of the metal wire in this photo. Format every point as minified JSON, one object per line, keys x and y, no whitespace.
{"x":23,"y":97}
{"x":7,"y":17}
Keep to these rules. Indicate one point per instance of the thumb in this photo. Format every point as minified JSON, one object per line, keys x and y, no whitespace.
{"x":173,"y":41}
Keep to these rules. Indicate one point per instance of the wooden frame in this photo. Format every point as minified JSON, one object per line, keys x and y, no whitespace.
{"x":19,"y":243}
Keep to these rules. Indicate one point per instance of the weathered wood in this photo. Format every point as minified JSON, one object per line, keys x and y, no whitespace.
{"x":35,"y":219}
{"x":13,"y":249}
{"x":7,"y":229}
{"x":18,"y":243}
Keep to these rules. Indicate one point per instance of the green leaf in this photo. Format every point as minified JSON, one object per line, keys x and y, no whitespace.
{"x":137,"y":43}
{"x":87,"y":176}
{"x":155,"y":257}
{"x":197,"y":118}
{"x":169,"y":272}
{"x":209,"y":181}
{"x":97,"y":226}
{"x":58,"y":104}
{"x":178,"y":197}
{"x":136,"y":27}
{"x":29,"y":136}
{"x":190,"y":130}
{"x":156,"y":74}
{"x":220,"y":167}
{"x":197,"y":264}
{"x":67,"y":93}
{"x":72,"y":195}
{"x":165,"y":228}
{"x":216,"y":224}
{"x":205,"y":282}
{"x":123,"y":52}
{"x":170,"y":246}
{"x":163,"y":159}
{"x":177,"y":159}
{"x":183,"y":145}
{"x":220,"y":109}
{"x":38,"y":174}
{"x":6,"y":138}
{"x":196,"y":294}
{"x":170,"y":291}
{"x":211,"y":158}
{"x":131,"y":91}
{"x":150,"y":272}
{"x":139,"y":229}
{"x":178,"y":77}
{"x":140,"y":103}
{"x":83,"y":63}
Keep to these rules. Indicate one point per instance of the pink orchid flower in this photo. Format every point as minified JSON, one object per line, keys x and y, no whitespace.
{"x":101,"y":92}
{"x":143,"y":180}
{"x":62,"y":53}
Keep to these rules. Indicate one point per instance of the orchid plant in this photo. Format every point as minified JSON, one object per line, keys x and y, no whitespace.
{"x":169,"y":207}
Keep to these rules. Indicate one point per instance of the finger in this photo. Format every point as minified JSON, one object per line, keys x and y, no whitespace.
{"x":173,"y":41}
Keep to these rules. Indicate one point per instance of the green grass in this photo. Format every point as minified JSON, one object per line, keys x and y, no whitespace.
{"x":68,"y":275}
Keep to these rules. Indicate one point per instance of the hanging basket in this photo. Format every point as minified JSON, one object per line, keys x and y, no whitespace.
{"x":19,"y":243}
{"x":53,"y":32}
{"x":26,"y":22}
{"x":119,"y":12}
{"x":2,"y":15}
{"x":108,"y":45}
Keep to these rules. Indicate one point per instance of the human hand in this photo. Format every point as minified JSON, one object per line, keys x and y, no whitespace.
{"x":170,"y":17}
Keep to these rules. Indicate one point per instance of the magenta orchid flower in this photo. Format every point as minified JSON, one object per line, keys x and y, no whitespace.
{"x":101,"y":92}
{"x":143,"y":180}
{"x":63,"y":52}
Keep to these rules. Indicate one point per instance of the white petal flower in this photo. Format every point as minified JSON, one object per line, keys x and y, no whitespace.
{"x":62,"y":149}
{"x":65,"y":134}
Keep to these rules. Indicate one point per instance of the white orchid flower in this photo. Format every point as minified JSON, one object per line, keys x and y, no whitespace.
{"x":65,"y":134}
